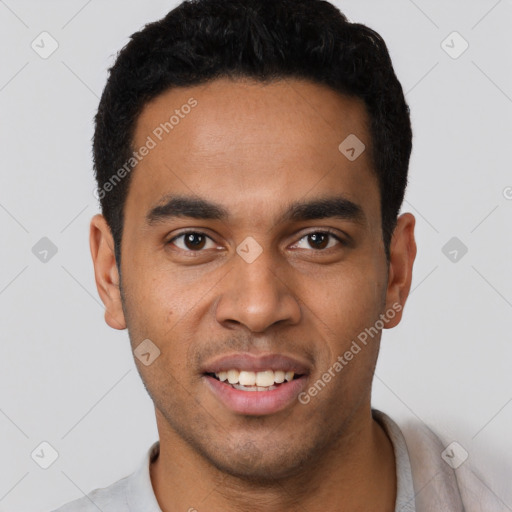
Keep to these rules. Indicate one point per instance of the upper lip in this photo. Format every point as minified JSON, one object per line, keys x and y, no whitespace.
{"x":256,"y":363}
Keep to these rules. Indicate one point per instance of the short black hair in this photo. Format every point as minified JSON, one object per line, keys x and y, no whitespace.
{"x":266,"y":40}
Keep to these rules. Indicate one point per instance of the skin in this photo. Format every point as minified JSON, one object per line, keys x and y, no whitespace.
{"x":254,"y":148}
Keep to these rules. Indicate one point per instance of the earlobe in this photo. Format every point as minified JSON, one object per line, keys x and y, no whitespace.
{"x":402,"y":256}
{"x":105,"y":271}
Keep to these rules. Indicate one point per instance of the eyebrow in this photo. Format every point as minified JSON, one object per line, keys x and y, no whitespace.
{"x":175,"y":206}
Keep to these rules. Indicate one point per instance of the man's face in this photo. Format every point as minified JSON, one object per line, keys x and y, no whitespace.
{"x":259,"y":281}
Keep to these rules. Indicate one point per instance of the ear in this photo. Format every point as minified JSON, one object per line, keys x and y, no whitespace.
{"x":402,"y":255}
{"x":105,"y":270}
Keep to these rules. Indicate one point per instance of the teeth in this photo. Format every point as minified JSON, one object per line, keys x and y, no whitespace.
{"x":278,"y":376}
{"x":253,"y":388}
{"x":232,"y":376}
{"x":256,"y":380}
{"x":264,"y":379}
{"x":247,"y":378}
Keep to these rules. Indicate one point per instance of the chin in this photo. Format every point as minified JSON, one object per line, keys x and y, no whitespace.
{"x":265,"y":465}
{"x":261,"y":472}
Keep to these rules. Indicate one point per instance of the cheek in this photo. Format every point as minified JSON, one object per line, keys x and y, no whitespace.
{"x":351,"y":298}
{"x":345,"y":313}
{"x":155,"y":299}
{"x":165,"y":311}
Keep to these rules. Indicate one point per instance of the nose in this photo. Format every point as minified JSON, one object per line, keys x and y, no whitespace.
{"x":257,"y":295}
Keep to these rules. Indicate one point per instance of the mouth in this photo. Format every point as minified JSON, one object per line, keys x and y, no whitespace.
{"x":251,"y":385}
{"x":244,"y":380}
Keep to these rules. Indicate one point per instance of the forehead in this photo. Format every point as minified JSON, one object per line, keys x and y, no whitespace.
{"x":245,"y":143}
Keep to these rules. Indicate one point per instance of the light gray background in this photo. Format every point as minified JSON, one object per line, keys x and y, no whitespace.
{"x":68,"y":379}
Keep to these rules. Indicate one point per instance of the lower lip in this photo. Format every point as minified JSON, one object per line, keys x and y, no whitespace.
{"x":256,"y":402}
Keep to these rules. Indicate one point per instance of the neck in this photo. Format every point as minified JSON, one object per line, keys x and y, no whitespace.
{"x":358,"y":472}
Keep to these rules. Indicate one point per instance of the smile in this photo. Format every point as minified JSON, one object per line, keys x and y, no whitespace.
{"x":256,"y":384}
{"x":265,"y":380}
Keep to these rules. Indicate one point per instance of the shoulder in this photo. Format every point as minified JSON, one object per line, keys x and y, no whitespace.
{"x":133,"y":492}
{"x":107,"y":499}
{"x":443,"y":474}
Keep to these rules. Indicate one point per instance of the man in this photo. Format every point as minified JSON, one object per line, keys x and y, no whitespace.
{"x":251,"y":159}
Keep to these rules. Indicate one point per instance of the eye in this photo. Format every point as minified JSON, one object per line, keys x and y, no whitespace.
{"x":319,"y":240}
{"x":191,"y":241}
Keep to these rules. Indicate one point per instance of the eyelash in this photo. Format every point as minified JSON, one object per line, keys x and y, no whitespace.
{"x":322,"y":231}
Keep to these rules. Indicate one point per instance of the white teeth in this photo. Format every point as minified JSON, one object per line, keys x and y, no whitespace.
{"x":233,"y":376}
{"x":253,"y":388}
{"x":247,"y":378}
{"x":278,"y":376}
{"x":264,"y":379}
{"x":255,"y":380}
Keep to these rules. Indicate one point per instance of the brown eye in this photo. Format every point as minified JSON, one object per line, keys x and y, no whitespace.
{"x":320,"y":240}
{"x":194,"y":241}
{"x":190,"y":241}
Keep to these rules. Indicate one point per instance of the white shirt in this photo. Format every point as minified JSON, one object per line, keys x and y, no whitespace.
{"x":425,"y":482}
